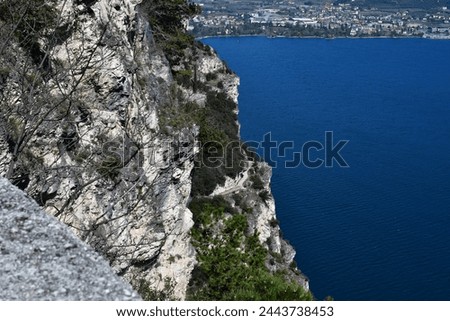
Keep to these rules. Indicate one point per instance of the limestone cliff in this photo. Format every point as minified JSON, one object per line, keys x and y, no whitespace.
{"x":102,"y":125}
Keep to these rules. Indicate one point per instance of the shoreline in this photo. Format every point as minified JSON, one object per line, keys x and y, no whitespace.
{"x":312,"y":37}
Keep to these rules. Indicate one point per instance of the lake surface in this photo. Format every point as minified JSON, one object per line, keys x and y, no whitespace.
{"x":380,"y":229}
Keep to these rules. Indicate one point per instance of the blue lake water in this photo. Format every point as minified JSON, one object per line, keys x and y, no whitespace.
{"x":379,"y":230}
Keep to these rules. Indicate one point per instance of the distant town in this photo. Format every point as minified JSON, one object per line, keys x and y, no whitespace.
{"x":294,"y":18}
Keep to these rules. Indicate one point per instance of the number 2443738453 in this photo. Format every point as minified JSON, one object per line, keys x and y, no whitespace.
{"x":300,"y":311}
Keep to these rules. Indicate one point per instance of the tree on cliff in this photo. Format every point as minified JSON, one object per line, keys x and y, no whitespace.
{"x":166,"y":18}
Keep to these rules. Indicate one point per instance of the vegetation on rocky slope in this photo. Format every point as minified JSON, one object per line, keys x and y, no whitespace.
{"x":232,"y":261}
{"x":217,"y":119}
{"x":166,"y":18}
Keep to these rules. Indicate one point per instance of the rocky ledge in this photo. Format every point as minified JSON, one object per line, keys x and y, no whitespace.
{"x":41,"y":259}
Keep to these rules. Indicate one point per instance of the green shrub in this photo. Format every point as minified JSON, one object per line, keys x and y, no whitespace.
{"x":166,"y":19}
{"x":148,"y":293}
{"x":184,"y":78}
{"x":205,"y":180}
{"x":231,"y":261}
{"x":221,"y":113}
{"x":201,"y":204}
{"x":218,"y":133}
{"x":180,"y":117}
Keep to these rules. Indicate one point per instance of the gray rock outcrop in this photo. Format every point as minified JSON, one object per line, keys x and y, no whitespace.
{"x":41,"y":259}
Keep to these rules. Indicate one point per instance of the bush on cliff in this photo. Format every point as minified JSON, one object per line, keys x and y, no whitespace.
{"x":231,"y":260}
{"x":166,"y":19}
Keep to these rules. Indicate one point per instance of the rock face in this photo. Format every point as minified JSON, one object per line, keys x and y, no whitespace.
{"x":93,"y":143}
{"x":105,"y":168}
{"x":41,"y":259}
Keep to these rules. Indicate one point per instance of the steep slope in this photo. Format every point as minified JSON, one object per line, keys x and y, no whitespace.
{"x":110,"y":124}
{"x":42,"y":260}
